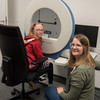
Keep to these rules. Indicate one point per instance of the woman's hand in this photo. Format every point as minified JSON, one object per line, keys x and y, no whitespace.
{"x":60,"y":89}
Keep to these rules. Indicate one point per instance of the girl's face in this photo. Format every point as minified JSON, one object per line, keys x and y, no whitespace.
{"x":76,"y":48}
{"x":38,"y":30}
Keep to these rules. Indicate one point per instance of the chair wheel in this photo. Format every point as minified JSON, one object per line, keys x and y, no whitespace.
{"x":13,"y":93}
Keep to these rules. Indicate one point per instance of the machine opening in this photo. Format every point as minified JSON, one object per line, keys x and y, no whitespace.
{"x":50,"y":20}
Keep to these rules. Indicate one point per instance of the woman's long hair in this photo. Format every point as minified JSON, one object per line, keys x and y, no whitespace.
{"x":85,"y":58}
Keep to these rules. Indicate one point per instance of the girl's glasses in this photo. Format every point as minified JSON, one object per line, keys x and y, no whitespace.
{"x":38,"y":30}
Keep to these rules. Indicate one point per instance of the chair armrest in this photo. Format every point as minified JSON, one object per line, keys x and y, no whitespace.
{"x":39,"y":60}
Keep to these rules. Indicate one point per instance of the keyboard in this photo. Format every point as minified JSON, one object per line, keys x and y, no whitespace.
{"x":93,"y":54}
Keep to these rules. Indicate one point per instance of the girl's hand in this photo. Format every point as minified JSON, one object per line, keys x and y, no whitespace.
{"x":47,"y":62}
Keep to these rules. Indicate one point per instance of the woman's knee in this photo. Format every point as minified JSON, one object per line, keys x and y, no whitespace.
{"x":50,"y":90}
{"x":51,"y":93}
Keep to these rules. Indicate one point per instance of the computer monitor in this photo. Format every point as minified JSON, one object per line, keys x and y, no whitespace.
{"x":90,"y":31}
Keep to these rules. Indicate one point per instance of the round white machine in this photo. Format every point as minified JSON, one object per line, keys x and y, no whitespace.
{"x":57,"y":20}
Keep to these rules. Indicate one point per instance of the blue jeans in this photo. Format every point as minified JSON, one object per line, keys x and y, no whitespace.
{"x":52,"y":94}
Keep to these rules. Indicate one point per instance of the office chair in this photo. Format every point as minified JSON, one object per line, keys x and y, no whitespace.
{"x":15,"y":64}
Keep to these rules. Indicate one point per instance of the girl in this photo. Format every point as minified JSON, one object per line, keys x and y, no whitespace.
{"x":34,"y":51}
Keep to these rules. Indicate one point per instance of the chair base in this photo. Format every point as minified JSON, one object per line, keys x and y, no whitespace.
{"x":24,"y":95}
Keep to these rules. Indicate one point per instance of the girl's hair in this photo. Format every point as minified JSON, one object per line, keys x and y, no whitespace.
{"x":32,"y":28}
{"x":85,"y":58}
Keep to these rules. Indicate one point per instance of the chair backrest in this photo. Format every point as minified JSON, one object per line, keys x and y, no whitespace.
{"x":14,"y":59}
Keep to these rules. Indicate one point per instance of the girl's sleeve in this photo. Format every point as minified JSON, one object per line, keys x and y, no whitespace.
{"x":37,"y":49}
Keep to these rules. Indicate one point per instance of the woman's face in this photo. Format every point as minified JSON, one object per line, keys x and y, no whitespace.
{"x":76,"y":48}
{"x":38,"y":30}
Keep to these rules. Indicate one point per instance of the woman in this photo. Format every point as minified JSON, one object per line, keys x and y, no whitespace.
{"x":81,"y":86}
{"x":34,"y":51}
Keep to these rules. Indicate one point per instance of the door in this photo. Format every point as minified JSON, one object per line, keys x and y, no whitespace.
{"x":3,"y":11}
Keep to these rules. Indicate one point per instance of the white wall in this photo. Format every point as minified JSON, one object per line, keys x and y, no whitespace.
{"x":84,"y":11}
